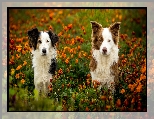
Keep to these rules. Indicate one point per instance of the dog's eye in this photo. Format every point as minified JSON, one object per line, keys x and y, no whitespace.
{"x":47,"y":41}
{"x":39,"y":41}
{"x":109,"y":40}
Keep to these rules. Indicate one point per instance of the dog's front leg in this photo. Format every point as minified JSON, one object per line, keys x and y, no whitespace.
{"x":38,"y":90}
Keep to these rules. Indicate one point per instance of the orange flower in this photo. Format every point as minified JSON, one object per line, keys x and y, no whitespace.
{"x":60,"y":34}
{"x":79,"y":47}
{"x":65,"y":28}
{"x":113,"y":20}
{"x":60,"y":12}
{"x":69,"y":26}
{"x":67,"y":61}
{"x":139,"y":88}
{"x":122,"y":91}
{"x":79,"y":55}
{"x":142,"y":77}
{"x":88,"y":75}
{"x":17,"y":56}
{"x":87,"y":109}
{"x":23,"y":52}
{"x":17,"y":76}
{"x":50,"y":27}
{"x":76,"y":61}
{"x":108,"y":107}
{"x":19,"y":40}
{"x":133,"y":100}
{"x":143,"y":69}
{"x":12,"y":57}
{"x":68,"y":36}
{"x":24,"y":63}
{"x":51,"y":15}
{"x":82,"y":27}
{"x":58,"y":21}
{"x":60,"y":71}
{"x":19,"y":67}
{"x":26,"y":44}
{"x":66,"y":49}
{"x":71,"y":50}
{"x":22,"y":81}
{"x":118,"y":103}
{"x":63,"y":55}
{"x":120,"y":17}
{"x":131,"y":87}
{"x":72,"y":41}
{"x":50,"y":89}
{"x":103,"y":97}
{"x":19,"y":48}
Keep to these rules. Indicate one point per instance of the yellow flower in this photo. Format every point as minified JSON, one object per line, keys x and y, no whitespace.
{"x":19,"y":67}
{"x":24,"y":63}
{"x":85,"y":54}
{"x":22,"y":81}
{"x":12,"y":71}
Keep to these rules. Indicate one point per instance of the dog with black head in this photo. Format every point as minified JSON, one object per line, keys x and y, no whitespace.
{"x":44,"y":62}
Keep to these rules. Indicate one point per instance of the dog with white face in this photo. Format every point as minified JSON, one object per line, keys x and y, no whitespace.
{"x":43,"y":58}
{"x":104,"y":62}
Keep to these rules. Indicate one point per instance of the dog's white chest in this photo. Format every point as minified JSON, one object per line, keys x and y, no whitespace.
{"x":103,"y":71}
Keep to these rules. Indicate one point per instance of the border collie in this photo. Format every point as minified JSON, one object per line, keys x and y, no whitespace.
{"x":43,"y":58}
{"x":104,"y":61}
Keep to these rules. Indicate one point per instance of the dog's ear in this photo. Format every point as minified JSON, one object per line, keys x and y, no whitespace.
{"x":95,"y":26}
{"x":33,"y":32}
{"x":114,"y":28}
{"x":33,"y":35}
{"x":54,"y":38}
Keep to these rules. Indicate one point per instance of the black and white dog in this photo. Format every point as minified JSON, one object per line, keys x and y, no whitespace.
{"x":43,"y":57}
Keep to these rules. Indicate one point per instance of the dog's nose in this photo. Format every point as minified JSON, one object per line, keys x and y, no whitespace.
{"x":104,"y":49}
{"x":44,"y":50}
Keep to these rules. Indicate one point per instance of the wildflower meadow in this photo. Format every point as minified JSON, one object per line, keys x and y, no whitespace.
{"x":71,"y":88}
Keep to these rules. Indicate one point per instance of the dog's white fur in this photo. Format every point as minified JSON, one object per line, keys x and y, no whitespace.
{"x":103,"y":73}
{"x":43,"y":58}
{"x":41,"y":62}
{"x":105,"y":59}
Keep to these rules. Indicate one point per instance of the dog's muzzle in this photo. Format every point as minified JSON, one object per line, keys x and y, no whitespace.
{"x":44,"y":51}
{"x":104,"y":50}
